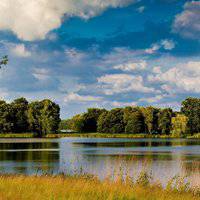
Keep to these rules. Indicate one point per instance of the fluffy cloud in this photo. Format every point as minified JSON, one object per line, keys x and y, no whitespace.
{"x":74,"y":97}
{"x":163,"y":44}
{"x":32,"y":20}
{"x":41,"y":74}
{"x":187,"y":23}
{"x":20,"y":50}
{"x":120,"y":83}
{"x":182,"y":78}
{"x":131,"y":66}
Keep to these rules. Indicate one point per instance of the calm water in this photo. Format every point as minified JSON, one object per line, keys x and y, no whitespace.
{"x":164,"y":158}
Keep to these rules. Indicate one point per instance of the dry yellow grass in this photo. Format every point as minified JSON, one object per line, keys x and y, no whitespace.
{"x":82,"y":188}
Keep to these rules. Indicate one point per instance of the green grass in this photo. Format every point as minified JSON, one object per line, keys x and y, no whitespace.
{"x":20,"y":187}
{"x":93,"y":135}
{"x":17,"y":135}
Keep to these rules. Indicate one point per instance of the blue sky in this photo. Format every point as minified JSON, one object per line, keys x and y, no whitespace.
{"x":103,"y":53}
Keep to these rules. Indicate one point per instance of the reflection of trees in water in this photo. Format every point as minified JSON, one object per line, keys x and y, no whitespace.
{"x":28,"y":157}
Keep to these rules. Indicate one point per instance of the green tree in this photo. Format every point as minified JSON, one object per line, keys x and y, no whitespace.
{"x":191,"y":109}
{"x":3,"y":61}
{"x":111,"y":121}
{"x":43,"y":117}
{"x":179,"y":125}
{"x":134,"y":120}
{"x":151,"y":119}
{"x":50,"y":117}
{"x":90,"y":119}
{"x":77,"y":123}
{"x":6,"y":117}
{"x":34,"y":117}
{"x":20,"y":107}
{"x":165,"y":121}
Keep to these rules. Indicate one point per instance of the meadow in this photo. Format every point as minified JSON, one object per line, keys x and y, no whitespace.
{"x":85,"y":187}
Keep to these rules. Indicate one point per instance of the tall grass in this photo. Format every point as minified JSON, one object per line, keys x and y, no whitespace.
{"x":20,"y":187}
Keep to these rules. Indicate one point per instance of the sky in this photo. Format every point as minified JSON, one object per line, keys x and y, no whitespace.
{"x":100,"y":53}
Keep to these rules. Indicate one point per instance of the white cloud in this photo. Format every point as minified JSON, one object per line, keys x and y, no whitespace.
{"x":20,"y":50}
{"x":123,"y":104}
{"x":32,"y":20}
{"x":41,"y":74}
{"x":163,"y":44}
{"x":74,"y":97}
{"x":132,"y":66}
{"x":187,"y":23}
{"x":167,"y":44}
{"x":181,"y":78}
{"x":120,"y":83}
{"x":152,"y":99}
{"x":141,"y":9}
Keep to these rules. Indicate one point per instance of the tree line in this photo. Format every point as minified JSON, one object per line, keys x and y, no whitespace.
{"x":20,"y":116}
{"x":134,"y":120}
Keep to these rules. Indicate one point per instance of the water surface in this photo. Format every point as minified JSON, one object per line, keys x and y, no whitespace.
{"x":164,"y":158}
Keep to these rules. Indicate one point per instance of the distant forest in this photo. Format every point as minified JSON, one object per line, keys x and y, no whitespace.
{"x":43,"y":117}
{"x":134,"y":120}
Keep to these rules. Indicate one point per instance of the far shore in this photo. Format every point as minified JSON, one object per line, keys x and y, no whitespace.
{"x":96,"y":135}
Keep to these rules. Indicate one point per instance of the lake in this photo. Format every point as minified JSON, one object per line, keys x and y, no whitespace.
{"x":163,"y":158}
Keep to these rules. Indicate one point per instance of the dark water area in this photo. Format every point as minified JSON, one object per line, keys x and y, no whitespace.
{"x":163,"y":158}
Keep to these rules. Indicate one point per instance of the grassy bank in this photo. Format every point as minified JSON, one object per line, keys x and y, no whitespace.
{"x":94,"y":135}
{"x":85,"y":188}
{"x":121,"y":135}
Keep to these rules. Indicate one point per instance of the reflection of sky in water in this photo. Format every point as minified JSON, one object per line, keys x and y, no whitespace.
{"x":165,"y":158}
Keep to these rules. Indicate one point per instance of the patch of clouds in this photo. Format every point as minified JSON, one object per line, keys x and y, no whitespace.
{"x":41,"y":74}
{"x":123,"y":104}
{"x":75,"y":97}
{"x":132,"y":66}
{"x":141,"y":9}
{"x":122,"y":83}
{"x":187,"y":23}
{"x":165,"y":44}
{"x":33,"y":20}
{"x":20,"y":50}
{"x":179,"y":79}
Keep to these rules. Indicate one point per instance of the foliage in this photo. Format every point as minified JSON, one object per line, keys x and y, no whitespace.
{"x":179,"y":125}
{"x":112,"y":121}
{"x":151,"y":119}
{"x":191,"y":109}
{"x":134,"y":120}
{"x":164,"y":121}
{"x":3,"y":61}
{"x":41,"y":117}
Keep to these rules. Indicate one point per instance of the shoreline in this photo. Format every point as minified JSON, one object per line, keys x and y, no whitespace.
{"x":95,"y":135}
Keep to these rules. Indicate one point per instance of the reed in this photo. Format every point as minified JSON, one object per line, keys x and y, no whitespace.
{"x":84,"y":187}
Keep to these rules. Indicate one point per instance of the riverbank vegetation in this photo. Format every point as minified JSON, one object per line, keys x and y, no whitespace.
{"x":42,"y":119}
{"x":20,"y":116}
{"x":86,"y":187}
{"x":139,"y":120}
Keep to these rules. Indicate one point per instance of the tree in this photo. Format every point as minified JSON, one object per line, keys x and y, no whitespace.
{"x":90,"y":119}
{"x":77,"y":123}
{"x":3,"y":61}
{"x":165,"y":121}
{"x":179,"y":125}
{"x":44,"y":117}
{"x":191,"y":109}
{"x":20,"y":107}
{"x":50,"y":117}
{"x":111,"y":121}
{"x":151,"y":119}
{"x":34,"y":117}
{"x":134,"y":120}
{"x":6,"y":117}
